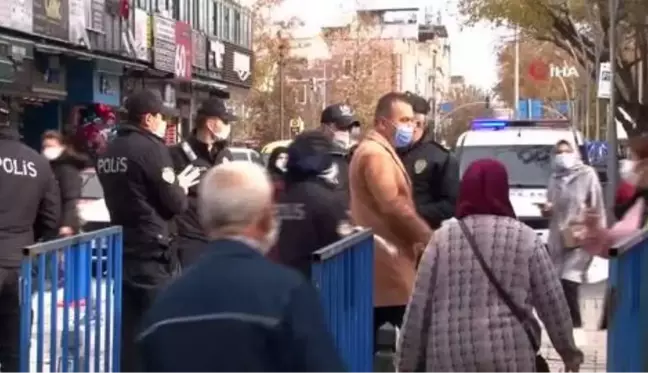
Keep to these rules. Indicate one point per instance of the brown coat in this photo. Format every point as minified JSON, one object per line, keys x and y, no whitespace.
{"x":381,"y":199}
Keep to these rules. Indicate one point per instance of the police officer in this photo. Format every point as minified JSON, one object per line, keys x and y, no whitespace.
{"x":338,"y":122}
{"x":433,"y":169}
{"x":143,"y":194}
{"x":31,"y":209}
{"x":311,"y":213}
{"x":205,"y":147}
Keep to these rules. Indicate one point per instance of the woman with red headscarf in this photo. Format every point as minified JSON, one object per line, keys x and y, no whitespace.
{"x":478,"y":282}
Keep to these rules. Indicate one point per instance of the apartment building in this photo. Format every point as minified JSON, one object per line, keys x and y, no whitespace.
{"x":382,"y":49}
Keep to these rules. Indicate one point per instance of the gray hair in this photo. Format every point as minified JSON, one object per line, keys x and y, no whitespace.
{"x":232,"y":195}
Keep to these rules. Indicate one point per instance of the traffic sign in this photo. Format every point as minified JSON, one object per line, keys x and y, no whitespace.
{"x":605,"y":80}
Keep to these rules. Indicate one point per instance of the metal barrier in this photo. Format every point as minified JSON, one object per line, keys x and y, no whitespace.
{"x":628,"y":302}
{"x":71,"y":288}
{"x":343,"y":273}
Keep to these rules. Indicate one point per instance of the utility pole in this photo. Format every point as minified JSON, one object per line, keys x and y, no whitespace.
{"x":516,"y":79}
{"x":282,"y":57}
{"x":613,"y":163}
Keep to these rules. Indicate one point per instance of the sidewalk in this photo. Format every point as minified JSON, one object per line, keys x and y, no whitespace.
{"x":595,"y":341}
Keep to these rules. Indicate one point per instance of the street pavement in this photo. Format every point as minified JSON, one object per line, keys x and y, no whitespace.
{"x":593,"y":341}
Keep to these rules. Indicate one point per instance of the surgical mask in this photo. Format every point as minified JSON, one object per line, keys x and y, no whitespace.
{"x":627,"y":170}
{"x":52,"y":153}
{"x":565,"y":160}
{"x":160,"y":131}
{"x":223,"y":134}
{"x":343,"y":138}
{"x":281,"y":163}
{"x":403,"y":135}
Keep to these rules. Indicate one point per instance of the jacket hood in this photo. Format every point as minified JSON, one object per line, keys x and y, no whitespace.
{"x":272,"y":159}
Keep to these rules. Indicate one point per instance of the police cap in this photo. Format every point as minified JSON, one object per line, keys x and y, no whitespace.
{"x":340,"y":115}
{"x":215,"y":107}
{"x":147,"y":102}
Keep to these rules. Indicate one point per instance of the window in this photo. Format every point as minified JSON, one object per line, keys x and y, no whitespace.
{"x":216,"y":18}
{"x":209,"y":21}
{"x":182,"y":11}
{"x":144,"y":4}
{"x":236,"y":35}
{"x":302,"y":95}
{"x":527,"y":165}
{"x":226,"y":22}
{"x":347,"y":67}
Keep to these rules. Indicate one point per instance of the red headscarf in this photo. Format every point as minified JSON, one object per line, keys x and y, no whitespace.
{"x":484,"y":190}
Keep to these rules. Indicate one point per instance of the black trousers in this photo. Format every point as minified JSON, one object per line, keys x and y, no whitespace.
{"x":143,"y":280}
{"x":189,"y":250}
{"x":570,"y":288}
{"x":10,"y":319}
{"x":383,"y":315}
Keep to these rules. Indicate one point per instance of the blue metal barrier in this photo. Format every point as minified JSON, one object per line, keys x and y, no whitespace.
{"x":343,"y":273}
{"x":628,"y":313}
{"x":70,"y":306}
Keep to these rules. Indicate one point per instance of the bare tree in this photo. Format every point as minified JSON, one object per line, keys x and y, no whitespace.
{"x":362,"y":65}
{"x":467,"y":104}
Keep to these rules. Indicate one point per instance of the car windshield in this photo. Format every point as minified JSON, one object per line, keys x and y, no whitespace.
{"x":90,"y":185}
{"x":528,"y":166}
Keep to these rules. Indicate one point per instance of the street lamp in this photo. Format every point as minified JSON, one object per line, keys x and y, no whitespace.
{"x":282,"y":57}
{"x":613,"y":163}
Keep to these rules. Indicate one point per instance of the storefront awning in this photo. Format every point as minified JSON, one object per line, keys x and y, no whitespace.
{"x":52,"y":49}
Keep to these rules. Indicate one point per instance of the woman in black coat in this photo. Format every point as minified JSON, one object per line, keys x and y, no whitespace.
{"x":67,"y":166}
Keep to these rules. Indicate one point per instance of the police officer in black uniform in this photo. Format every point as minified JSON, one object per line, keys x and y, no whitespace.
{"x":337,"y":122}
{"x":31,"y":209}
{"x":143,"y":194}
{"x":205,"y":147}
{"x":433,"y":169}
{"x":311,"y":213}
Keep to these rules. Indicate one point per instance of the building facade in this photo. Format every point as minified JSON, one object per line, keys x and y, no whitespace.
{"x":60,"y":57}
{"x":381,"y":50}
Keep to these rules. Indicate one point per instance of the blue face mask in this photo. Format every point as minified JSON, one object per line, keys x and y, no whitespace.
{"x":403,"y":135}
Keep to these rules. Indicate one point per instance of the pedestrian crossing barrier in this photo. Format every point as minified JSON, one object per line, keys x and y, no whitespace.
{"x":628,"y":306}
{"x":343,"y":274}
{"x":71,"y":302}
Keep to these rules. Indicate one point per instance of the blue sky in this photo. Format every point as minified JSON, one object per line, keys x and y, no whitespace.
{"x":473,"y":49}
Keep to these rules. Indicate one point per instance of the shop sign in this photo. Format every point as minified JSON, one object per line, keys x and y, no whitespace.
{"x":164,"y":48}
{"x":17,"y":14}
{"x":237,"y":65}
{"x":199,"y":49}
{"x":141,"y":34}
{"x":183,"y":51}
{"x":51,"y":18}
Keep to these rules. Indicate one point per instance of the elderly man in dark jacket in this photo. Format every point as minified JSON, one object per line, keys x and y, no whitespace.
{"x":234,"y":310}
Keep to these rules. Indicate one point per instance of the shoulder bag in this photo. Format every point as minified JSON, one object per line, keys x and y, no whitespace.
{"x":519,"y":313}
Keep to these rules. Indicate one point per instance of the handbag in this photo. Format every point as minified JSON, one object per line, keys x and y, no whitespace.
{"x":520,"y":314}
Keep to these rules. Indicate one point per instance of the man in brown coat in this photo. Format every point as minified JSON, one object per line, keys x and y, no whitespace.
{"x":381,"y":199}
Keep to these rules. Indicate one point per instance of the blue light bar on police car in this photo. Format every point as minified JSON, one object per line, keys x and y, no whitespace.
{"x":489,"y":124}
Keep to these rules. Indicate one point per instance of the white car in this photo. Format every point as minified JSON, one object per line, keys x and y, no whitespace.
{"x":246,"y":154}
{"x":525,"y":147}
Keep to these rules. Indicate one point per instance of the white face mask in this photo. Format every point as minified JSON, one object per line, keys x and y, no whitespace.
{"x":343,"y":138}
{"x":223,"y":134}
{"x":627,"y":171}
{"x":281,"y":162}
{"x":160,"y":131}
{"x":565,"y":160}
{"x":52,"y":153}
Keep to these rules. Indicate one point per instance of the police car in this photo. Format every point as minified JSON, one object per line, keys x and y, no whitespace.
{"x":525,"y":147}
